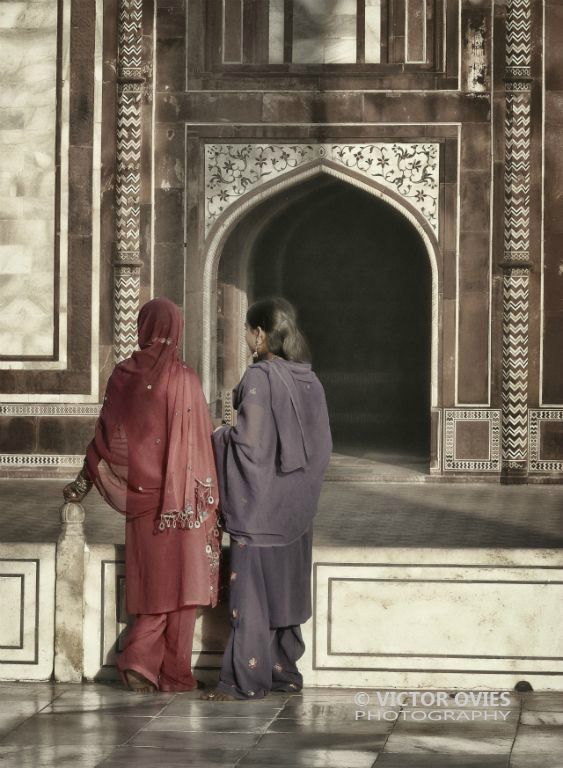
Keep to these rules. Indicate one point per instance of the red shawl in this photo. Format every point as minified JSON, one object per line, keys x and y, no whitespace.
{"x":152,"y":451}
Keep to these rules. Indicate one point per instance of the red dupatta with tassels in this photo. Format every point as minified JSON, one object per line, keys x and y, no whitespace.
{"x":152,"y":451}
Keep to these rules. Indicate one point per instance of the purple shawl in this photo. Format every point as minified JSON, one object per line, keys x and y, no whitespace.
{"x":271,"y":465}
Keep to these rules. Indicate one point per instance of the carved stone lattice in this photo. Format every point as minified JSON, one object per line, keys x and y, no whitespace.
{"x":127,"y":263}
{"x":409,"y":170}
{"x":516,"y":238}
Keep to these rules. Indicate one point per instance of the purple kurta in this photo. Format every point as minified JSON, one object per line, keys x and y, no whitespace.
{"x":271,"y":467}
{"x":272,"y":463}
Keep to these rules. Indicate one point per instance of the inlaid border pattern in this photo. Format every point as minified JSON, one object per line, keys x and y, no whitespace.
{"x":49,"y":409}
{"x":535,"y":418}
{"x":516,"y":263}
{"x":127,"y":263}
{"x":40,"y":460}
{"x":451,"y":417}
{"x":411,"y":170}
{"x":30,"y":599}
{"x":327,"y":571}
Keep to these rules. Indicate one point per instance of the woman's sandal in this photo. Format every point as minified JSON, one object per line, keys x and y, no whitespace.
{"x":137,"y":683}
{"x":217,"y":695}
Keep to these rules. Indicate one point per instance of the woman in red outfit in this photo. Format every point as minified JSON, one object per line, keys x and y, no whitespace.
{"x":152,"y":459}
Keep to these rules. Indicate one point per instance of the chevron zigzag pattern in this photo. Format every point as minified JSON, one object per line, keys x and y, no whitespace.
{"x":127,"y":279}
{"x":515,"y":368}
{"x":517,"y":175}
{"x":126,"y":307}
{"x":516,"y":237}
{"x":518,"y":33}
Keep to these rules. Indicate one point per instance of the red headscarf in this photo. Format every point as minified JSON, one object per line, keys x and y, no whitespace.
{"x":152,"y":450}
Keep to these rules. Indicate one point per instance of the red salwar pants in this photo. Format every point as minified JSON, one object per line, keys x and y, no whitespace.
{"x":159,"y":647}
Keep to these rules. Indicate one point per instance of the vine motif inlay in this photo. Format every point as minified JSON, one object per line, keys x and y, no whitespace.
{"x":411,"y":170}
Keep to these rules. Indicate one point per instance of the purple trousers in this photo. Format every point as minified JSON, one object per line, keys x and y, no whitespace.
{"x":270,"y":597}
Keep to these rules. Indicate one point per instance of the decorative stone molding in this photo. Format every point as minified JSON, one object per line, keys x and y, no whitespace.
{"x":454,"y":415}
{"x":516,"y":238}
{"x":535,"y":418}
{"x":40,"y":460}
{"x":410,"y":170}
{"x":127,"y":264}
{"x":49,"y":409}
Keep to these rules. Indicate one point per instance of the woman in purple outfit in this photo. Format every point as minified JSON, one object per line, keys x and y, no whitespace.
{"x":271,"y":467}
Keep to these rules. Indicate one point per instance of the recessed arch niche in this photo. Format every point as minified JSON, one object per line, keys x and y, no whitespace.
{"x":370,"y":282}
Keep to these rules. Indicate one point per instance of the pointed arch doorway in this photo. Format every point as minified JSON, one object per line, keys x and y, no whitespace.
{"x":359,"y":274}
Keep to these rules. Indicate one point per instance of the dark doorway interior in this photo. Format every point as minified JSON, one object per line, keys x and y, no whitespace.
{"x":359,"y":275}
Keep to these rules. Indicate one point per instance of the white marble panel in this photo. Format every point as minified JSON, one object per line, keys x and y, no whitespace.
{"x":11,"y":207}
{"x":307,"y":51}
{"x":27,"y":15}
{"x":15,"y":259}
{"x":27,"y":597}
{"x":339,"y":50}
{"x":373,"y":32}
{"x":11,"y":600}
{"x":412,"y":613}
{"x":324,"y":32}
{"x":435,"y":618}
{"x":28,"y":69}
{"x":276,"y":32}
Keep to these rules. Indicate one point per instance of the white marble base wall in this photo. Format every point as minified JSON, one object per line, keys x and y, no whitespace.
{"x":27,"y":601}
{"x":106,"y":620}
{"x":433,"y":618}
{"x":436,"y":618}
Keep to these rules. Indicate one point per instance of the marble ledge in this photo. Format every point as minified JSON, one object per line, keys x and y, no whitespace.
{"x":474,"y":556}
{"x":57,"y":399}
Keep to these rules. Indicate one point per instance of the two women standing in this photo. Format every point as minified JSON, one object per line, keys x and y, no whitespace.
{"x":152,"y":459}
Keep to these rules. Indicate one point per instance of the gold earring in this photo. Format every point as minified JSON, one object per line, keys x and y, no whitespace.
{"x":255,"y":353}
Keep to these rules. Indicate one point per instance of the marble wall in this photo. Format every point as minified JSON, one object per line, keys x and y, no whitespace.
{"x":28,"y":125}
{"x":27,"y":597}
{"x":324,"y":33}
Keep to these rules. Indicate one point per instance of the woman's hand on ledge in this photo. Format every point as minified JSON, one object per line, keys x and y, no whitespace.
{"x":79,"y":488}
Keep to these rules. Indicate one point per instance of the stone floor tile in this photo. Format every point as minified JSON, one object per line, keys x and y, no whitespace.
{"x":194,"y":740}
{"x":434,"y":760}
{"x":309,"y":758}
{"x":85,"y":729}
{"x":150,"y":757}
{"x":459,"y":719}
{"x":108,"y":701}
{"x":326,"y":711}
{"x":545,"y":701}
{"x":320,"y":727}
{"x":9,"y":722}
{"x":252,"y":724}
{"x":347,"y":740}
{"x":38,"y":694}
{"x":183,"y":707}
{"x":52,"y":756}
{"x":533,"y":760}
{"x":539,"y":739}
{"x":534,"y":717}
{"x":437,"y":741}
